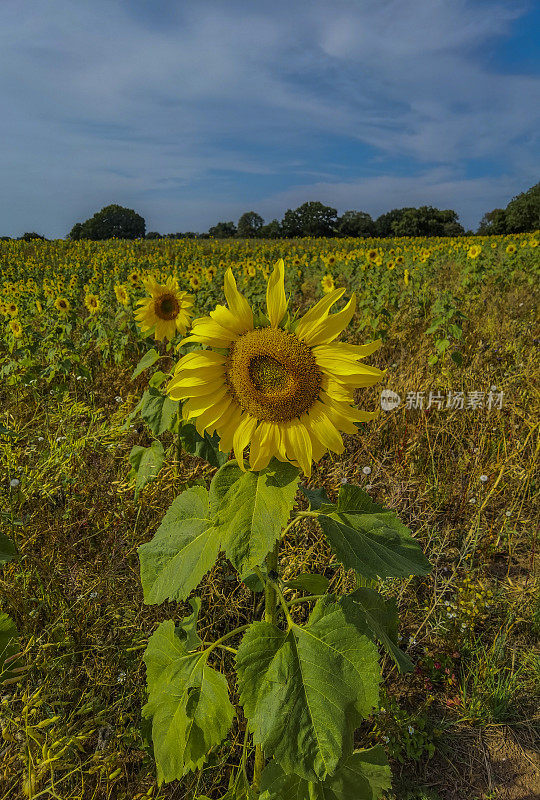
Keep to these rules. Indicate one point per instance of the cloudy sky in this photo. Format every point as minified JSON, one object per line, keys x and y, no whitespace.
{"x":193,"y":112}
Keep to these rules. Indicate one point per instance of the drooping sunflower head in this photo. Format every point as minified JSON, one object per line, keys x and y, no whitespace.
{"x":285,"y":388}
{"x":122,"y":294}
{"x":166,"y":309}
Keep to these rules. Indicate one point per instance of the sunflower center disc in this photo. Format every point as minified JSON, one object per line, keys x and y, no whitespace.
{"x":273,"y":375}
{"x":166,"y":307}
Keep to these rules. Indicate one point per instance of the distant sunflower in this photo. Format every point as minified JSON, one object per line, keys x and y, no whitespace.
{"x":62,"y":305}
{"x":285,"y":391}
{"x":12,"y":309}
{"x":121,"y":294}
{"x":92,"y":303}
{"x":511,"y":249}
{"x":195,"y":282}
{"x":474,"y":251}
{"x":327,"y":284}
{"x":166,"y":309}
{"x":372,"y":255}
{"x":16,"y":328}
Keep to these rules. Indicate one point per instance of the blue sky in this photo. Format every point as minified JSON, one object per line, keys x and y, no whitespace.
{"x":194,"y":112}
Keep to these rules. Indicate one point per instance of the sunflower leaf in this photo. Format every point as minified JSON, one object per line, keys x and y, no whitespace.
{"x":146,"y":361}
{"x":251,"y":509}
{"x":146,"y":462}
{"x":314,"y":584}
{"x":288,"y":681}
{"x":8,"y":551}
{"x":158,"y":411}
{"x":184,"y":548}
{"x":187,"y":629}
{"x":8,"y":645}
{"x":380,"y":616}
{"x":371,"y":539}
{"x":188,"y":702}
{"x":362,"y":776}
{"x":206,"y":447}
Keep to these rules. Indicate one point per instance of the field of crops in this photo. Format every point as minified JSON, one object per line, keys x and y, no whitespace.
{"x":453,"y":451}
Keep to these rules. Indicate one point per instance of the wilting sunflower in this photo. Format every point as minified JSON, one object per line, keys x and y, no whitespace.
{"x":92,"y":303}
{"x":285,"y":391}
{"x":166,"y":308}
{"x":62,"y":305}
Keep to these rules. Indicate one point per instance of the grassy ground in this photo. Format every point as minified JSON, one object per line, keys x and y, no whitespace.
{"x":463,"y":726}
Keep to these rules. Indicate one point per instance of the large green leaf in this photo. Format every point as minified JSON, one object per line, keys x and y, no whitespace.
{"x":206,"y":447}
{"x":312,"y":583}
{"x":370,"y":539}
{"x":304,"y":690}
{"x":8,"y":551}
{"x":187,"y":629}
{"x":146,"y":361}
{"x":8,"y":644}
{"x":318,"y":499}
{"x":362,"y":776}
{"x":188,"y":702}
{"x":145,"y":462}
{"x":158,"y":411}
{"x":253,"y":509}
{"x":380,"y":616}
{"x":184,"y":548}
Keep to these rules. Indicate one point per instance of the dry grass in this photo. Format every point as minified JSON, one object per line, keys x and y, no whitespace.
{"x":76,"y":596}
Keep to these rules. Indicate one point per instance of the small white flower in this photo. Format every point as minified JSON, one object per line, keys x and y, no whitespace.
{"x":369,"y":486}
{"x":472,"y":500}
{"x":92,"y":595}
{"x":40,"y":439}
{"x":14,"y":482}
{"x":79,"y":377}
{"x":508,"y":513}
{"x":343,"y":480}
{"x":413,"y":641}
{"x":410,"y":729}
{"x":60,"y":438}
{"x":366,"y":470}
{"x":493,"y":388}
{"x":483,"y":478}
{"x":385,"y":739}
{"x":118,"y":399}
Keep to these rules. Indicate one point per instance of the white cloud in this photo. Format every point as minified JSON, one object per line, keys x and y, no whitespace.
{"x":101,"y":106}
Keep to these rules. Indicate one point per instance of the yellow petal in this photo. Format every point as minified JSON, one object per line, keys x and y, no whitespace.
{"x":317,"y":313}
{"x":196,"y":405}
{"x":298,"y":445}
{"x":212,"y":415}
{"x":228,"y":426}
{"x":323,"y":429}
{"x":330,"y":327}
{"x":241,"y":438}
{"x":237,"y":303}
{"x":354,"y":351}
{"x":276,"y":302}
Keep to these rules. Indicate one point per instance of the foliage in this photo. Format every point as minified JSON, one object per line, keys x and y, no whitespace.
{"x":112,"y":221}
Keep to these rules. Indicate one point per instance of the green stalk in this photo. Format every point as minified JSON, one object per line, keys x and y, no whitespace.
{"x":270,"y":603}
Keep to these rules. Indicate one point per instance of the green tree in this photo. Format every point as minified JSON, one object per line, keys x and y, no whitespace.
{"x":493,"y":223}
{"x":523,"y":211}
{"x":384,"y":223}
{"x":30,"y":236}
{"x":272,"y":230}
{"x":310,"y":219}
{"x":249,"y":225}
{"x":111,"y":222}
{"x":356,"y":223}
{"x":223,"y":230}
{"x":153,"y":235}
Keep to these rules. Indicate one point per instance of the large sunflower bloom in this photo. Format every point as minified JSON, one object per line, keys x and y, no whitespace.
{"x":285,"y":391}
{"x":166,"y":308}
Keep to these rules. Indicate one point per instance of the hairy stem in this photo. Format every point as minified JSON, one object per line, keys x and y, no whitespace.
{"x":270,"y":601}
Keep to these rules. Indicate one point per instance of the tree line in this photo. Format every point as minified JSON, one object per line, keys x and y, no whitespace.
{"x":522,"y":214}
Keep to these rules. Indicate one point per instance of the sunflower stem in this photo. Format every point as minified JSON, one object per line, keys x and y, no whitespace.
{"x":178,"y":441}
{"x":270,"y":604}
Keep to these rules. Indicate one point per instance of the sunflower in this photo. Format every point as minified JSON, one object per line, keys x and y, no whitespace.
{"x":62,"y":305}
{"x":195,"y":282}
{"x":167,"y":309}
{"x":327,"y":284}
{"x":285,"y":388}
{"x":92,"y":303}
{"x":511,"y":249}
{"x":122,"y":294}
{"x":16,"y":328}
{"x":372,"y":255}
{"x":474,"y":251}
{"x":12,"y":309}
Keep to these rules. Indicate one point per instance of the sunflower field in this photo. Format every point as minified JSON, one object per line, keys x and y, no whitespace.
{"x":112,"y":411}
